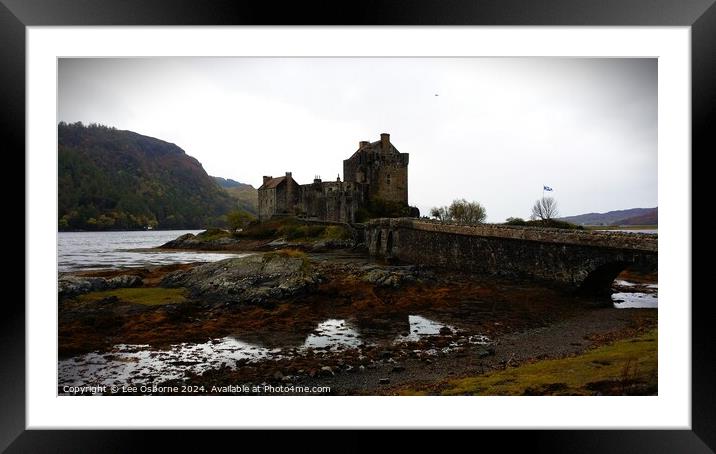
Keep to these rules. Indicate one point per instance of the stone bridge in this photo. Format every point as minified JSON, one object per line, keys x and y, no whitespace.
{"x":587,"y":261}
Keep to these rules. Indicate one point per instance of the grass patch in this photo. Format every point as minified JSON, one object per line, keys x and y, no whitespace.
{"x":149,"y":296}
{"x":293,"y":230}
{"x":267,"y":229}
{"x":622,"y":368}
{"x":336,"y":232}
{"x":297,"y":232}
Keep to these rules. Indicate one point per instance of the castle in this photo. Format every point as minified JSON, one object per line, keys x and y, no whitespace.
{"x":376,"y":171}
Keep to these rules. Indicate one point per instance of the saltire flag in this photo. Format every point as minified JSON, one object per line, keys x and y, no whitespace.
{"x":546,"y":188}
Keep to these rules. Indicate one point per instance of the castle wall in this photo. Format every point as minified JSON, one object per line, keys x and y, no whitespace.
{"x":391,"y":180}
{"x":330,"y":201}
{"x":282,"y":199}
{"x":267,"y":204}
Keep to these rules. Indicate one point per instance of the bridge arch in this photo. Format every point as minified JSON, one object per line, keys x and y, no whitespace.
{"x":599,"y":280}
{"x":378,"y":241}
{"x":389,"y":244}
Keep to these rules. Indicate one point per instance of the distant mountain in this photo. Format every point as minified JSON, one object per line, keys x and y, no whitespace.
{"x":111,"y":180}
{"x":245,"y":195}
{"x":634,"y":216}
{"x":229,"y":183}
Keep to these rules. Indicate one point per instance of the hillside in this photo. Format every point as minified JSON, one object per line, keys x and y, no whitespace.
{"x":245,"y":195}
{"x":633,"y":216}
{"x":114,"y":180}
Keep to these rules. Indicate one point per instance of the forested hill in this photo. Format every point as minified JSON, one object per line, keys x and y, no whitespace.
{"x":113,"y":180}
{"x":246,"y":196}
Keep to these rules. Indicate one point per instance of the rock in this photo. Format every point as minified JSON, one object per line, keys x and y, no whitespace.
{"x":211,"y":240}
{"x":486,"y":351}
{"x":251,"y":279}
{"x":278,"y":243}
{"x":278,"y":375}
{"x":179,"y":242}
{"x":384,"y":381}
{"x":361,"y":368}
{"x":398,"y":368}
{"x":69,"y":285}
{"x":327,"y":371}
{"x":324,"y":245}
{"x":445,"y":331}
{"x":382,"y":278}
{"x":385,"y":354}
{"x":125,"y":280}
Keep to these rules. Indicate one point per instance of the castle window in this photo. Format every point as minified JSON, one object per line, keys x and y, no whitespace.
{"x":388,"y":178}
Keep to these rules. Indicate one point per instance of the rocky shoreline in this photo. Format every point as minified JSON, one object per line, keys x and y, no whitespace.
{"x":322,"y":317}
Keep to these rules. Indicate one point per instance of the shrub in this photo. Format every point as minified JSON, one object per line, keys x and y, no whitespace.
{"x":515,"y":221}
{"x":555,"y":224}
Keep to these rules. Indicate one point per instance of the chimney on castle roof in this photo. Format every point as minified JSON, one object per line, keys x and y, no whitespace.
{"x":363,"y":143}
{"x":288,"y":176}
{"x":384,"y":141}
{"x":267,"y":178}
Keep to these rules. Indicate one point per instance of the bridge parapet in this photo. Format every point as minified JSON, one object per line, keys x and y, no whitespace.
{"x":597,"y":238}
{"x":588,"y":260}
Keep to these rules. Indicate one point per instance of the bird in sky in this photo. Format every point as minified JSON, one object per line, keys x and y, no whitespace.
{"x":436,"y":94}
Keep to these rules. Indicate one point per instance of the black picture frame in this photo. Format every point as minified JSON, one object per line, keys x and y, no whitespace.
{"x":16,"y":15}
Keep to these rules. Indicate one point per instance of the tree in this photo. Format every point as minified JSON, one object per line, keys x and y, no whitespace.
{"x":545,"y":209}
{"x":460,"y":211}
{"x":238,"y":219}
{"x":466,"y":212}
{"x":440,"y":213}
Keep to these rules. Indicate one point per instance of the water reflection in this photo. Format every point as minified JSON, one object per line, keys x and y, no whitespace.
{"x":637,"y":296}
{"x":421,"y":327}
{"x":138,"y":364}
{"x":625,"y":300}
{"x":334,"y":335}
{"x":142,"y":365}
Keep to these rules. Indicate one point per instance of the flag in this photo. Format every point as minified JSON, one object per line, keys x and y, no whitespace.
{"x":546,"y":188}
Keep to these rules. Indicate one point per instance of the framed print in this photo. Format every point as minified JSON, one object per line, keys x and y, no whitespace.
{"x":441,"y":217}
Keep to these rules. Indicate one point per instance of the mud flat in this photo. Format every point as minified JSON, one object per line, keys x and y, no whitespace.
{"x":293,"y":322}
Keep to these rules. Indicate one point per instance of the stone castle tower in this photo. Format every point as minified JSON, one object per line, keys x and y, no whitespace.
{"x":380,"y":166}
{"x":377,"y":170}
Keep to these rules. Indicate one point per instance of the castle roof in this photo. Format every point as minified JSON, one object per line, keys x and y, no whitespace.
{"x":272,"y":183}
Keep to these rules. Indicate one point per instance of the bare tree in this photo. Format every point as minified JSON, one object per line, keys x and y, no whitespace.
{"x":545,"y":209}
{"x":440,"y":213}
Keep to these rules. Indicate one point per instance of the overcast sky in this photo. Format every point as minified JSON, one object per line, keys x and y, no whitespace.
{"x":493,"y":130}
